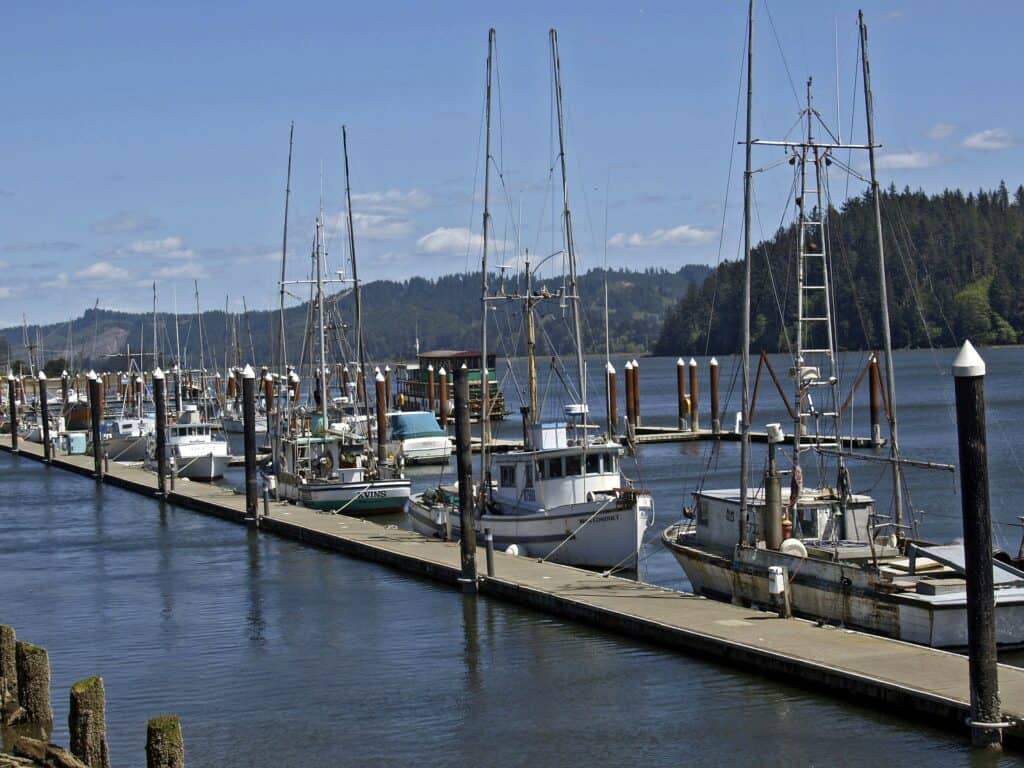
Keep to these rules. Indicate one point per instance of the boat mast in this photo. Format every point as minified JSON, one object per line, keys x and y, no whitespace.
{"x":745,"y":349}
{"x":321,"y":373}
{"x":156,"y":346}
{"x":284,"y":253}
{"x":356,"y":289}
{"x":485,"y":382}
{"x":890,"y":375}
{"x":570,"y":248}
{"x":531,"y":343}
{"x":202,"y":359}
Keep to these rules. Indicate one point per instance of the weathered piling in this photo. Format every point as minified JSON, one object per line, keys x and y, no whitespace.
{"x":160,"y":397}
{"x":33,"y":669}
{"x":694,"y":397}
{"x":382,"y":418}
{"x":44,"y":416}
{"x":464,"y":466}
{"x":165,"y":747}
{"x":12,"y":408}
{"x":430,"y":389}
{"x":96,"y":414}
{"x":610,"y":399}
{"x":249,"y":436}
{"x":140,"y":386}
{"x":87,"y":723}
{"x":443,"y":405}
{"x":346,"y":379}
{"x":636,"y":393}
{"x":360,"y":384}
{"x":716,"y":417}
{"x":8,"y":665}
{"x":65,"y":386}
{"x":969,"y":377}
{"x":388,"y":387}
{"x":773,"y":492}
{"x":683,"y":405}
{"x":177,"y":390}
{"x":875,"y":398}
{"x":627,"y":375}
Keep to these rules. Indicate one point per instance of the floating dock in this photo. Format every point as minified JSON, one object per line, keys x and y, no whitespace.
{"x":909,"y":680}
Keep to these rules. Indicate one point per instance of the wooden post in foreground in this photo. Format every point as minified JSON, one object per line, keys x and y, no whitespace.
{"x":87,"y":723}
{"x":8,"y":665}
{"x":44,"y":415}
{"x":969,"y":376}
{"x":464,"y":466}
{"x":249,"y":439}
{"x":96,"y":413}
{"x":165,"y":747}
{"x":160,"y":396}
{"x":33,"y":682}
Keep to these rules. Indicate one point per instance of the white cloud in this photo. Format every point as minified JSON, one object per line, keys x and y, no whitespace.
{"x":103,"y":270}
{"x":125,"y":223}
{"x":684,"y":234}
{"x":391,"y":200}
{"x":909,"y":159}
{"x":189,"y":270}
{"x":5,"y":292}
{"x":454,"y":240}
{"x":168,"y":247}
{"x":992,"y":138}
{"x":60,"y":281}
{"x":370,"y":226}
{"x":940,"y":131}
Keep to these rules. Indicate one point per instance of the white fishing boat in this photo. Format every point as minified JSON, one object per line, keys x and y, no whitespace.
{"x":838,"y":556}
{"x":563,"y":496}
{"x":127,"y":438}
{"x":197,"y":452}
{"x":418,"y":438}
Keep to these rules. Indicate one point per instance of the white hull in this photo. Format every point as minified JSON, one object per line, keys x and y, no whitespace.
{"x":611,"y":539}
{"x":363,"y":497}
{"x":843,"y":594}
{"x":127,"y":448}
{"x":206,"y":468}
{"x":425,"y":450}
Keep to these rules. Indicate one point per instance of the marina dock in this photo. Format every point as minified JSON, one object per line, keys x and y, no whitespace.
{"x":909,"y":680}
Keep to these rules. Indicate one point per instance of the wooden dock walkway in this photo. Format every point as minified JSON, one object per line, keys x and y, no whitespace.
{"x":909,"y":680}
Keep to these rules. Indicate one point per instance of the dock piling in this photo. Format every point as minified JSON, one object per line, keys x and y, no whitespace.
{"x":8,"y":665}
{"x":165,"y":746}
{"x":694,"y":397}
{"x":87,"y":723}
{"x":628,"y":377}
{"x":65,"y":384}
{"x":430,"y":389}
{"x":716,"y":420}
{"x":464,"y":465}
{"x":489,"y":540}
{"x":875,"y":384}
{"x":12,"y":408}
{"x":382,"y":418}
{"x":610,"y":398}
{"x":636,"y":394}
{"x":683,"y":403}
{"x":969,"y":377}
{"x":33,"y":665}
{"x":249,"y":429}
{"x":96,"y":413}
{"x":388,"y":386}
{"x":443,"y":405}
{"x":44,"y":416}
{"x":160,"y":396}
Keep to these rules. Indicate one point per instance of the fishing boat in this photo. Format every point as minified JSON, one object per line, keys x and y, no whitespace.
{"x":197,"y":453}
{"x":418,"y":438}
{"x":563,"y":496}
{"x":839,"y":558}
{"x":314,"y":465}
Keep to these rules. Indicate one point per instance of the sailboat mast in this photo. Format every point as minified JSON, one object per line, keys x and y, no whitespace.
{"x":570,"y":248}
{"x":321,"y":374}
{"x":202,"y":359}
{"x":745,"y":349}
{"x":356,"y":288}
{"x":485,"y":382}
{"x":890,"y":375}
{"x":531,"y":344}
{"x":156,"y":346}
{"x":284,"y":257}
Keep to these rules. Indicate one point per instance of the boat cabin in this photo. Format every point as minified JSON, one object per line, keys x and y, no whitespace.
{"x":555,"y":472}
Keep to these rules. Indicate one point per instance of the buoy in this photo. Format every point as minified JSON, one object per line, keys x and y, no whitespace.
{"x":793,"y":547}
{"x":512,"y":549}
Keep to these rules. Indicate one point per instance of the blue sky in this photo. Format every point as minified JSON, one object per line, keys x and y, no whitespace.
{"x":147,"y":142}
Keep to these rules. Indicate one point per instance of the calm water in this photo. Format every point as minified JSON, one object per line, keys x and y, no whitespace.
{"x":277,"y":654}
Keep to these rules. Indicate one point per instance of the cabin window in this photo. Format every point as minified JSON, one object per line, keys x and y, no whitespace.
{"x":555,"y":467}
{"x":702,"y":513}
{"x":508,"y":476}
{"x":808,"y":522}
{"x":529,"y":475}
{"x":610,"y":463}
{"x":593,"y":463}
{"x":540,"y":470}
{"x":573,"y":466}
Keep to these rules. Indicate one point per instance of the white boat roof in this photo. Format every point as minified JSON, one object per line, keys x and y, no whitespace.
{"x":755,"y":495}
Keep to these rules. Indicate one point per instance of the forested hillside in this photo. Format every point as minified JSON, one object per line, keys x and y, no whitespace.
{"x":955,"y":271}
{"x":444,"y":313}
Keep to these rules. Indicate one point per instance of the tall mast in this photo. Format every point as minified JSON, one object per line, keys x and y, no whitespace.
{"x":356,"y":288}
{"x":177,"y":350}
{"x":890,"y":374}
{"x":284,"y":257}
{"x":156,"y":346}
{"x":531,"y":344}
{"x":485,"y":382}
{"x":570,"y":248}
{"x":202,"y":359}
{"x":745,"y":350}
{"x":321,"y":373}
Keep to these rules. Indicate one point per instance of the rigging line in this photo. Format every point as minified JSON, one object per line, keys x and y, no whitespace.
{"x":782,"y":53}
{"x":853,"y":113}
{"x":725,"y":205}
{"x":476,"y":178}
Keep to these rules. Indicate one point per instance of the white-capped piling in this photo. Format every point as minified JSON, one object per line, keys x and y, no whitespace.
{"x":694,"y":397}
{"x":716,"y":420}
{"x":443,"y":409}
{"x":12,"y":409}
{"x":382,"y":418}
{"x":44,"y":417}
{"x":160,"y":398}
{"x":683,"y":404}
{"x":249,"y":437}
{"x":464,"y":466}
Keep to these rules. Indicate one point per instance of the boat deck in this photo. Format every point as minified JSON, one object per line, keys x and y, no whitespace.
{"x":910,"y":680}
